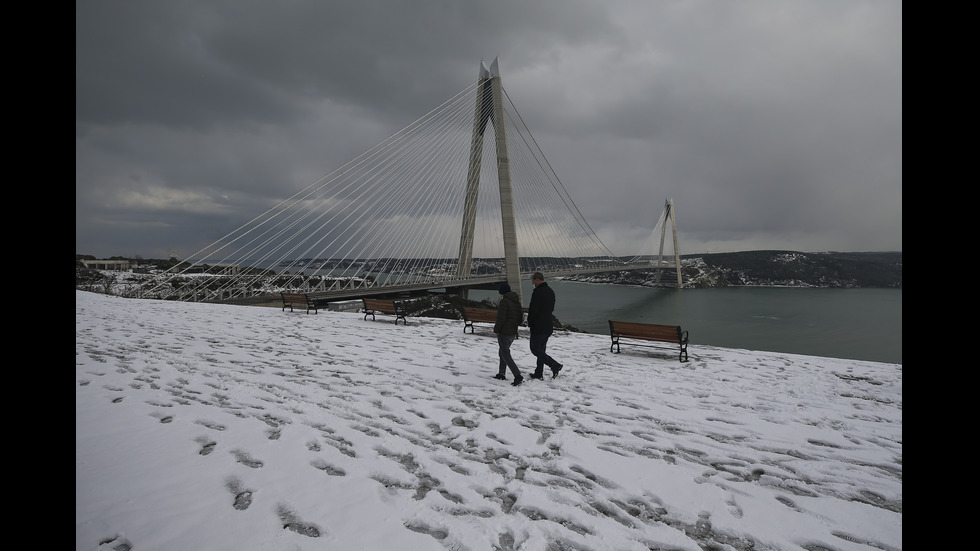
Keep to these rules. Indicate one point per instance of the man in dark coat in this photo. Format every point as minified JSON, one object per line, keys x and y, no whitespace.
{"x":539,"y":321}
{"x":509,"y":317}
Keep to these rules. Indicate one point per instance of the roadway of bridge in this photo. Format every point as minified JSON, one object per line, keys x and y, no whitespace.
{"x":450,"y":285}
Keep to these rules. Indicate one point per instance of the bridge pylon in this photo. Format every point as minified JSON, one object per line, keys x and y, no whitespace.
{"x":489,"y":109}
{"x":669,"y":215}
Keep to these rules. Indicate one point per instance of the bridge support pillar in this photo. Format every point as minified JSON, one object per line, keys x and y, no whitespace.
{"x":490,"y":108}
{"x":669,"y":215}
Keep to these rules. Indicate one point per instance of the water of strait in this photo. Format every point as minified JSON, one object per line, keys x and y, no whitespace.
{"x":859,"y":324}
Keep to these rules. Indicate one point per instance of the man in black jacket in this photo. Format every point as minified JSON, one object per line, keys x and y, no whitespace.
{"x":539,"y":321}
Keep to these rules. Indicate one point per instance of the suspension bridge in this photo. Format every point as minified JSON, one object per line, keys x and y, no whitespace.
{"x":424,"y":210}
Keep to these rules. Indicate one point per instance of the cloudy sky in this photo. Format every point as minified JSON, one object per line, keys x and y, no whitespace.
{"x":771,"y":124}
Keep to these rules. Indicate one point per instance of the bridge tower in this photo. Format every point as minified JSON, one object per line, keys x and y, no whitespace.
{"x":669,"y":215}
{"x":490,"y":108}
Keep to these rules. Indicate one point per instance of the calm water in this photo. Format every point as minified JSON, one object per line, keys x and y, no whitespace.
{"x":860,"y":324}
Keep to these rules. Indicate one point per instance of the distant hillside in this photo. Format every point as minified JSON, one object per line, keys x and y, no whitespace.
{"x":773,"y":268}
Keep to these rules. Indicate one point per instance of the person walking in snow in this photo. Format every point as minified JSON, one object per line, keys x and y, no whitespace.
{"x":509,"y":317}
{"x":539,"y":321}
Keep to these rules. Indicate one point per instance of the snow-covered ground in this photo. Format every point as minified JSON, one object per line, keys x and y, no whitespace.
{"x":217,"y":427}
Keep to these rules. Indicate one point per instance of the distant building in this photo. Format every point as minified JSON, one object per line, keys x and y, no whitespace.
{"x":215,"y":269}
{"x":223,"y":269}
{"x":133,"y":266}
{"x":109,"y":265}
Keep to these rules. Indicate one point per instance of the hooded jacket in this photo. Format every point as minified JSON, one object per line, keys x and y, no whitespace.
{"x":510,"y":314}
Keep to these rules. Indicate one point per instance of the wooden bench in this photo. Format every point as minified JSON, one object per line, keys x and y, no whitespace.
{"x":299,"y":300}
{"x":648,"y":332}
{"x":480,"y":315}
{"x":374,"y":306}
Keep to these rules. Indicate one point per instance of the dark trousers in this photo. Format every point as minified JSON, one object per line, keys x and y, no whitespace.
{"x":506,"y":360}
{"x":539,"y":346}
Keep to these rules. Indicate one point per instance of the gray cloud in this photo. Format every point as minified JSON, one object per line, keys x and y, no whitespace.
{"x":771,"y":124}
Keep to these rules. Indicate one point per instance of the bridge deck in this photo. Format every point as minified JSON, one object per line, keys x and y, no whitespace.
{"x":488,"y":282}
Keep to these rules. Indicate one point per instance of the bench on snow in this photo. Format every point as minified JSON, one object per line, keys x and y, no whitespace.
{"x":374,"y":306}
{"x":299,"y":300}
{"x":478,"y":315}
{"x":648,"y":332}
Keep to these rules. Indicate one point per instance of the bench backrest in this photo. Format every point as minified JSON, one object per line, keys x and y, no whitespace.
{"x":387,"y":306}
{"x":479,"y":314}
{"x":293,"y":297}
{"x":671,"y":333}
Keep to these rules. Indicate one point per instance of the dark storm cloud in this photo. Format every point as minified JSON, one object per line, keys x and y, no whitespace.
{"x":771,"y":124}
